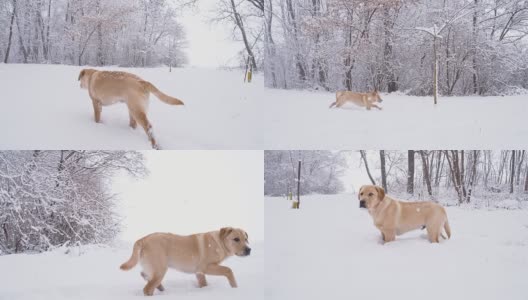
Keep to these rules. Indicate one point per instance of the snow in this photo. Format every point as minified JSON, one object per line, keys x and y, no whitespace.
{"x":93,"y":273}
{"x":297,"y":119}
{"x":330,"y":249}
{"x":46,"y":109}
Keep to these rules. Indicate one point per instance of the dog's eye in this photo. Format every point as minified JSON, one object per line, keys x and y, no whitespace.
{"x":371,"y":194}
{"x":361,"y":194}
{"x":236,"y":240}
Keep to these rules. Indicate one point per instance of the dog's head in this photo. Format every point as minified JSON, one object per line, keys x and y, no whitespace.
{"x":375,"y":96}
{"x":84,"y":77}
{"x":235,"y":241}
{"x":370,"y":196}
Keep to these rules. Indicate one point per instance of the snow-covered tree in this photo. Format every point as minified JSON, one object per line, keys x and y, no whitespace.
{"x":321,"y":172}
{"x":55,"y":198}
{"x":92,"y":32}
{"x":481,"y":46}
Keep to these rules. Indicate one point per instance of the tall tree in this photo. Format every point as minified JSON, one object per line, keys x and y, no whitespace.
{"x":410,"y":171}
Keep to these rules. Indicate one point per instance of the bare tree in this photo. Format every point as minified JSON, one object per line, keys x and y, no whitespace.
{"x":364,"y":158}
{"x":410,"y":171}
{"x":383,"y":171}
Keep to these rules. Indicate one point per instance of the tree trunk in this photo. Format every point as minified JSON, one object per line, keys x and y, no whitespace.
{"x":435,"y":73}
{"x":427,"y":176}
{"x":383,"y":171}
{"x":10,"y":32}
{"x":410,"y":171}
{"x":512,"y":171}
{"x":299,"y":185}
{"x":240,"y":24}
{"x":364,"y":157}
{"x":387,"y":51}
{"x":452,"y":160}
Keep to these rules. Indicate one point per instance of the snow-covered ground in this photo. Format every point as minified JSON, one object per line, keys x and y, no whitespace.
{"x":95,"y":274}
{"x":302,"y":120}
{"x":43,"y":107}
{"x":329,"y":249}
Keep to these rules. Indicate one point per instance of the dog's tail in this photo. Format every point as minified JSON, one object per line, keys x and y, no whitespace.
{"x":163,"y":97}
{"x":447,"y":228}
{"x":133,"y":260}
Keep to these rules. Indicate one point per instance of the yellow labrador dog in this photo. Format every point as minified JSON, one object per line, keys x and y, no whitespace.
{"x":393,"y":217}
{"x":200,"y":254}
{"x":367,"y":100}
{"x":109,"y":87}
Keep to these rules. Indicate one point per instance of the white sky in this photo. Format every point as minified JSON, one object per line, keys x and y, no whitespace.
{"x":194,"y":191}
{"x":209,"y":45}
{"x":355,"y":175}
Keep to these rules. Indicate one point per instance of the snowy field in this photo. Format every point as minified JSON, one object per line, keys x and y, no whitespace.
{"x":329,"y":249}
{"x":43,"y":107}
{"x":95,"y":274}
{"x":302,"y":120}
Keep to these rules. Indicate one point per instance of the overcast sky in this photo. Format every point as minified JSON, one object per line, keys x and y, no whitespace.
{"x":209,"y":45}
{"x":194,"y":191}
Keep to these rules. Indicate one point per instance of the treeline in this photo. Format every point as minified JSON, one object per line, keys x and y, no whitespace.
{"x":136,"y":33}
{"x":463,"y":172}
{"x":481,"y":45}
{"x":321,"y":172}
{"x":56,"y":198}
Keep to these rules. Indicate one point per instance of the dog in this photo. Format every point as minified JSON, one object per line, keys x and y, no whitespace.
{"x":393,"y":217}
{"x":109,"y":87}
{"x":200,"y":254}
{"x":367,"y":100}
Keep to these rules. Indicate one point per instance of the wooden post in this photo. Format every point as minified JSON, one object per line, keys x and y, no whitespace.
{"x":297,"y":202}
{"x":435,"y":75}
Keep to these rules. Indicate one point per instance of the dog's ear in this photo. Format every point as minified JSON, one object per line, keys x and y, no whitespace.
{"x":81,"y":74}
{"x":247,"y":236}
{"x":225,"y":231}
{"x":359,"y":192}
{"x":381,"y":192}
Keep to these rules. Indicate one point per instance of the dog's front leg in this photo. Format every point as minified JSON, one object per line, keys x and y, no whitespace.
{"x":97,"y":110}
{"x":388,"y":236}
{"x":374,"y":105}
{"x":201,"y":280}
{"x":218,"y":270}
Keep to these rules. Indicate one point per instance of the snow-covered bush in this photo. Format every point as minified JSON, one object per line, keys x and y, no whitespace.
{"x":59,"y":198}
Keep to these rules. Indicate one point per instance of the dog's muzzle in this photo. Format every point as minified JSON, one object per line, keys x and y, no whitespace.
{"x":247,"y":251}
{"x":380,"y":100}
{"x":362,"y":204}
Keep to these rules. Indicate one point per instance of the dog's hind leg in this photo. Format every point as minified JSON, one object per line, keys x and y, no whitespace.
{"x":98,"y":108}
{"x":201,"y":280}
{"x":145,"y":276}
{"x":141,"y":118}
{"x":154,"y":282}
{"x":132,"y":122}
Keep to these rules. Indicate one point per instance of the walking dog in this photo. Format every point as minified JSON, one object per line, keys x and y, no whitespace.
{"x":199,"y":254}
{"x":109,"y":87}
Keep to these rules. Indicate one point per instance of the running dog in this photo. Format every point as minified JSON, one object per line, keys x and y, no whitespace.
{"x":367,"y":100}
